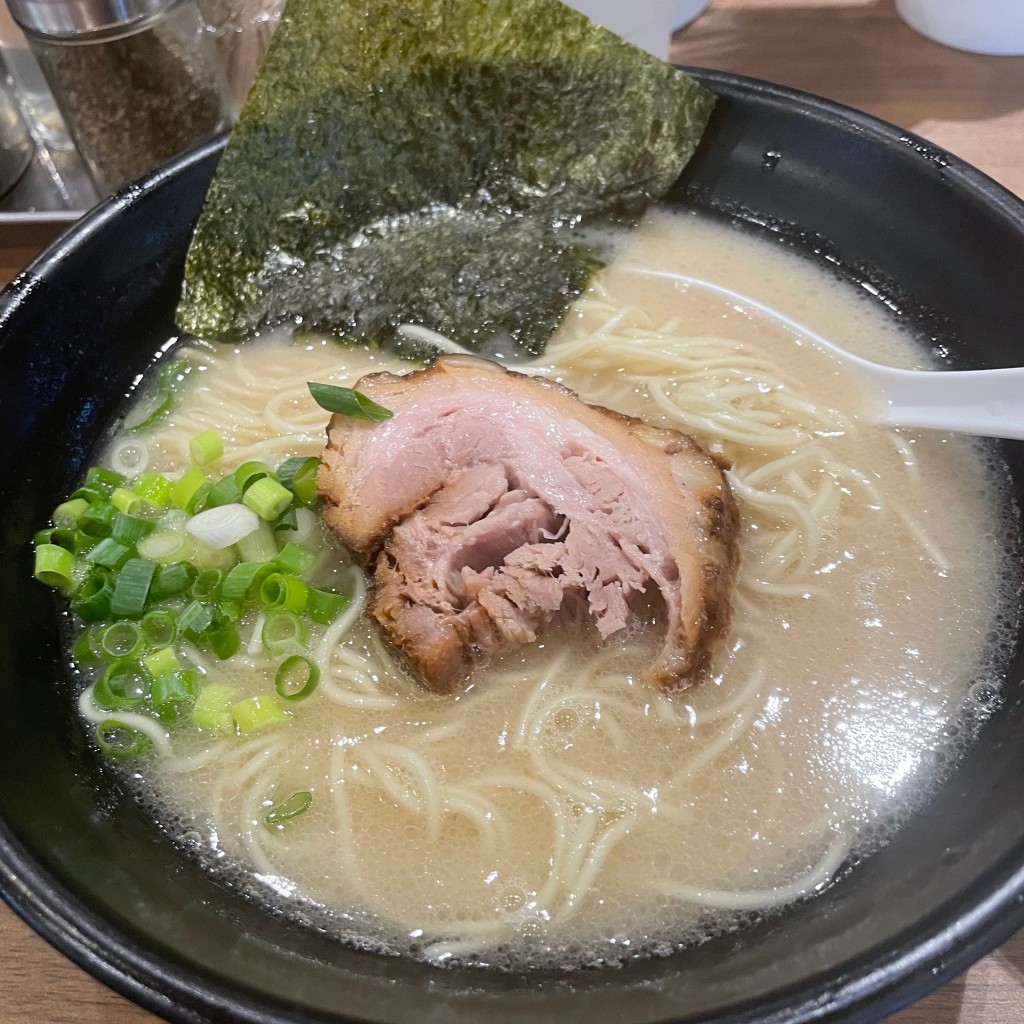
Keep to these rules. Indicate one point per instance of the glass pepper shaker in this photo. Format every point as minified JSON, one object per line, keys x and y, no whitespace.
{"x":138,"y":81}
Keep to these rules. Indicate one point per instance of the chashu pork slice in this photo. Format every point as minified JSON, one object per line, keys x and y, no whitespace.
{"x":491,"y":501}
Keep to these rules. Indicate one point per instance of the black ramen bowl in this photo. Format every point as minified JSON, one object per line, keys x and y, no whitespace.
{"x":93,"y":875}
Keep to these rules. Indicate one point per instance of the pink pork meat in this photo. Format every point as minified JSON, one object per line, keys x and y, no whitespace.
{"x":492,"y":501}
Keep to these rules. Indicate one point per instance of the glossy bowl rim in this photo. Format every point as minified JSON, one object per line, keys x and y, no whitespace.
{"x":877,"y":985}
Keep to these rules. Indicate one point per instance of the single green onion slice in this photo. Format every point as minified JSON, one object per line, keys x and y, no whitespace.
{"x":97,"y":519}
{"x":186,"y":486}
{"x":267,"y":498}
{"x":131,"y":588}
{"x":347,"y":402}
{"x":206,"y":447}
{"x":116,"y":739}
{"x":153,"y":488}
{"x":240,"y":579}
{"x":292,"y":807}
{"x":174,"y":687}
{"x":161,"y":662}
{"x":166,"y":547}
{"x":299,"y":476}
{"x":91,"y":601}
{"x":86,"y":650}
{"x":129,"y":529}
{"x":206,"y":585}
{"x":160,"y":626}
{"x":261,"y":544}
{"x":223,"y":637}
{"x":105,"y":480}
{"x":53,"y":565}
{"x":294,"y":559}
{"x":297,"y":677}
{"x":223,"y":526}
{"x":148,"y":410}
{"x":211,"y":709}
{"x":249,"y":472}
{"x":110,"y":553}
{"x":224,"y":492}
{"x":283,"y":632}
{"x":126,"y":501}
{"x":287,"y":520}
{"x":171,"y":580}
{"x":65,"y":515}
{"x":197,"y":502}
{"x":324,"y":606}
{"x":196,"y":619}
{"x":121,"y":640}
{"x":125,"y":684}
{"x":255,"y":713}
{"x":281,"y":592}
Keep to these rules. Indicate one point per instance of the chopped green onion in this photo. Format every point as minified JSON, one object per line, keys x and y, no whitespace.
{"x":131,"y":588}
{"x":105,"y":480}
{"x":126,"y":501}
{"x":294,"y":559}
{"x":299,"y":476}
{"x":153,"y":488}
{"x":86,"y":650}
{"x":283,"y":632}
{"x":91,"y":601}
{"x":224,"y":492}
{"x":186,"y":486}
{"x":196,"y":619}
{"x":96,"y":520}
{"x":110,"y":553}
{"x":241,"y":578}
{"x":116,"y":739}
{"x":255,"y":713}
{"x":281,"y":592}
{"x":174,"y":688}
{"x":123,"y":685}
{"x":210,"y":710}
{"x":171,"y":580}
{"x":231,"y":609}
{"x":267,"y":498}
{"x":292,"y":807}
{"x":206,"y":585}
{"x":297,"y":677}
{"x":172,"y":375}
{"x":198,"y":500}
{"x":53,"y":565}
{"x":206,"y":447}
{"x":65,"y":515}
{"x":87,"y":492}
{"x":347,"y":402}
{"x":324,"y":606}
{"x":130,"y":529}
{"x":160,"y":626}
{"x":161,"y":662}
{"x":260,"y":545}
{"x":223,"y":637}
{"x":206,"y":557}
{"x":287,"y":520}
{"x":121,"y":640}
{"x":148,"y":410}
{"x":249,"y":472}
{"x":165,"y":547}
{"x":223,"y":526}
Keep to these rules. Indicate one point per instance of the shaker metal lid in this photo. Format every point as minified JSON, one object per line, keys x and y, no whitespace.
{"x":75,"y":17}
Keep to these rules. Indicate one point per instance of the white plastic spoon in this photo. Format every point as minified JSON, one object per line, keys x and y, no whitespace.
{"x":989,"y":403}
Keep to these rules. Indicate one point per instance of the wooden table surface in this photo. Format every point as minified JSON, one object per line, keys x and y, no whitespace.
{"x":859,"y":53}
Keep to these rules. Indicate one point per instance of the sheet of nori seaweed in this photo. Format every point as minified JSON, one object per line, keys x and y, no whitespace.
{"x":428,"y":161}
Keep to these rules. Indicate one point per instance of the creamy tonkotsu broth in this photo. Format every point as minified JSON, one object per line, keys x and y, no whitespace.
{"x":561,"y":811}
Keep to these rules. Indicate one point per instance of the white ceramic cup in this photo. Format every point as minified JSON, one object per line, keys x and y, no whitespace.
{"x":646,"y":23}
{"x":982,"y":26}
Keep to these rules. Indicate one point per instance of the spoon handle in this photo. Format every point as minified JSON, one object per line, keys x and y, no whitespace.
{"x":989,"y":403}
